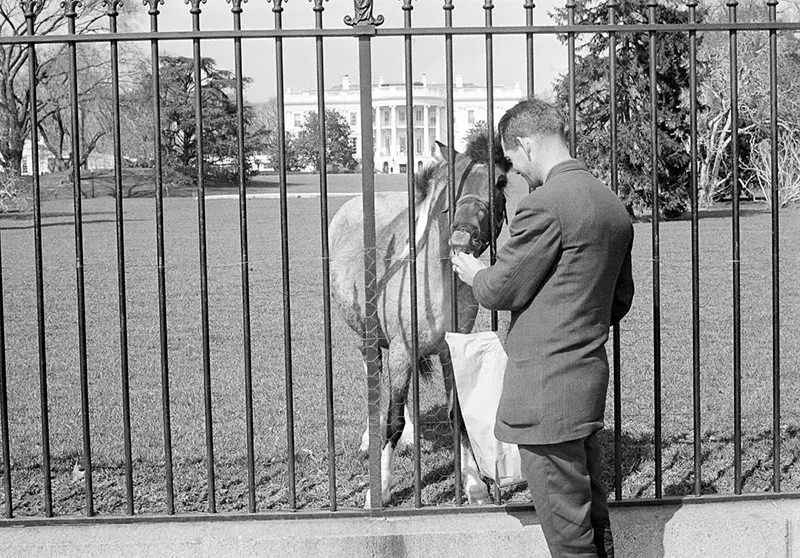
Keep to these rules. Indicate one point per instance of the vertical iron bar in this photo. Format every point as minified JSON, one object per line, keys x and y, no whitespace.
{"x":364,"y":32}
{"x":30,"y":16}
{"x":695,"y":252}
{"x":775,"y":207}
{"x":612,"y":98}
{"x":79,"y":271}
{"x":161,"y":270}
{"x":201,"y":225}
{"x":236,"y":9}
{"x":4,"y":430}
{"x":529,"y":44}
{"x":651,"y":5}
{"x":451,"y":191}
{"x":737,"y":332}
{"x":412,"y":253}
{"x":573,"y":143}
{"x":326,"y":263}
{"x":120,"y":218}
{"x":488,"y":6}
{"x":287,"y":312}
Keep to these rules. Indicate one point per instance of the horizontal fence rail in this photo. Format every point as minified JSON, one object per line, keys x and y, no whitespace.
{"x":276,"y":416}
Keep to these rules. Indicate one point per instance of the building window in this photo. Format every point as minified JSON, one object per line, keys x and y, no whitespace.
{"x":432,"y":117}
{"x":403,"y":167}
{"x":298,"y":120}
{"x":418,"y":147}
{"x":353,"y":144}
{"x":386,"y":148}
{"x":470,"y":117}
{"x":386,"y":117}
{"x":25,"y":165}
{"x":353,"y":119}
{"x":401,"y":115}
{"x":418,"y":116}
{"x":402,"y":145}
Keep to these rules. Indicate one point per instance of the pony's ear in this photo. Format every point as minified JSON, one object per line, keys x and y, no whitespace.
{"x":442,"y":152}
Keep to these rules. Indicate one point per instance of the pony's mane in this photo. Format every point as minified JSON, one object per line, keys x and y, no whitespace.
{"x":477,"y":150}
{"x":423,"y":180}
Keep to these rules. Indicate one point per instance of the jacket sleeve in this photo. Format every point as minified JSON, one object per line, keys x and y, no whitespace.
{"x":524,"y":262}
{"x":623,"y":291}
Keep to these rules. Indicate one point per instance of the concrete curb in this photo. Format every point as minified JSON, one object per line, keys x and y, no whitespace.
{"x":747,"y":528}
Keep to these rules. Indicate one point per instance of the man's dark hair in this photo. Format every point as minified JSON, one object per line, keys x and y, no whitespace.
{"x":531,"y":117}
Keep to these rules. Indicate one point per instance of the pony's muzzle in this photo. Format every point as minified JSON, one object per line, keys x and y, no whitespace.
{"x":461,"y":241}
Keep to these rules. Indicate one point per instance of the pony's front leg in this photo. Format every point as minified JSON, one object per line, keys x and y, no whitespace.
{"x":476,"y":490}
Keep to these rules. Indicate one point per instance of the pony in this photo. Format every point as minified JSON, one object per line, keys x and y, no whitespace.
{"x":435,"y":238}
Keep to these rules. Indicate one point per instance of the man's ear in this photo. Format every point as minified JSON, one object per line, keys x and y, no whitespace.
{"x":527,"y":146}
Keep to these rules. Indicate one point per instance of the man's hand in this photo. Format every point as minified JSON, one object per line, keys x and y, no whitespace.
{"x":466,"y":266}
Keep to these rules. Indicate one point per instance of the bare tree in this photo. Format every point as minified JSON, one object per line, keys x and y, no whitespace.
{"x":51,"y":67}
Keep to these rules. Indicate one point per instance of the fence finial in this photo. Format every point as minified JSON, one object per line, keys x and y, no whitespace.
{"x":195,"y":6}
{"x":363,"y":14}
{"x":318,"y":7}
{"x":70,"y":7}
{"x":448,"y":5}
{"x":529,"y":5}
{"x":407,"y":5}
{"x":30,"y":7}
{"x":112,"y":7}
{"x":278,"y":7}
{"x":153,"y":6}
{"x":236,"y":6}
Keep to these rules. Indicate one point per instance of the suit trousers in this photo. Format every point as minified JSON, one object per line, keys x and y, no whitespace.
{"x":570,"y":501}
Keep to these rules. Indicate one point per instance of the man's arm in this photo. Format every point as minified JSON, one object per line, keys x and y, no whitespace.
{"x":524,"y":262}
{"x":623,"y":292}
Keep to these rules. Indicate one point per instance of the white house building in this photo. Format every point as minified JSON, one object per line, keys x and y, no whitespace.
{"x":390,"y":119}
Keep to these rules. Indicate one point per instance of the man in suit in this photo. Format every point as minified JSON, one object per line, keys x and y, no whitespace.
{"x":565,"y":275}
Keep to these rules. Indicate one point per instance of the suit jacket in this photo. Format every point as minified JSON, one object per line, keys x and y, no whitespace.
{"x":565,"y":275}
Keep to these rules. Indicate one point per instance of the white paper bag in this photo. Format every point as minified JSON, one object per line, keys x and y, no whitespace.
{"x":479,"y":364}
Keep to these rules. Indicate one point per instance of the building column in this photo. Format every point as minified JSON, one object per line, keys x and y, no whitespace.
{"x":426,"y":140}
{"x":393,"y":143}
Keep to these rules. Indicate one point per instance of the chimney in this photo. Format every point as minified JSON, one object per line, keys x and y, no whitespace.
{"x":345,"y":82}
{"x":380,"y":80}
{"x":459,"y":81}
{"x":424,"y":80}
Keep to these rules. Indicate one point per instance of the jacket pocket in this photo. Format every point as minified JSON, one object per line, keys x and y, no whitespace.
{"x":521,"y":403}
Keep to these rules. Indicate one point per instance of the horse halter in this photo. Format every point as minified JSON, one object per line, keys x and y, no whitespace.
{"x":477,"y":200}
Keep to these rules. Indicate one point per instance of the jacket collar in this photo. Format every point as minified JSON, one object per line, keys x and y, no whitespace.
{"x":564,"y":166}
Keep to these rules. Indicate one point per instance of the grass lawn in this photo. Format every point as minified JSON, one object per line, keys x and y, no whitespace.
{"x":227,"y":361}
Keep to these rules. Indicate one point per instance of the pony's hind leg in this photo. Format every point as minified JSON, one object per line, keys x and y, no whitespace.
{"x":364,"y":447}
{"x":399,"y":374}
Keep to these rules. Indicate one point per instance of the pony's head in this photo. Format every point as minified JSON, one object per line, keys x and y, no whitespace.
{"x":471,"y":229}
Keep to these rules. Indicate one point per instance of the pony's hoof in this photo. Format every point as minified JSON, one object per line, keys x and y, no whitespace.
{"x":478,"y":495}
{"x":405,"y":443}
{"x":385,"y":496}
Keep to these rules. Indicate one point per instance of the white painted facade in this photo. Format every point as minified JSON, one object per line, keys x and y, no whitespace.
{"x":390,"y":119}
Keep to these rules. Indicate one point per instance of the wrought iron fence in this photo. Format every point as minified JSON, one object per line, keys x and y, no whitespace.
{"x":364,"y":27}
